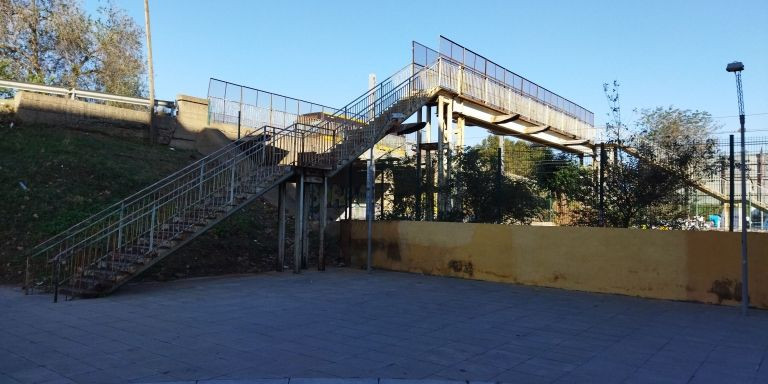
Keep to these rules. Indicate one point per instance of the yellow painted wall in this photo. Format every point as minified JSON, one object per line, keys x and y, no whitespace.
{"x":677,"y":265}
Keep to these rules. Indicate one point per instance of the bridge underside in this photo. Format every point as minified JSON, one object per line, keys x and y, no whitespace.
{"x":467,"y":112}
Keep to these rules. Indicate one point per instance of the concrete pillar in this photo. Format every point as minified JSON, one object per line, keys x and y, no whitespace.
{"x":460,"y":126}
{"x":299,"y":223}
{"x":501,"y":153}
{"x":323,"y":221}
{"x":280,"y":227}
{"x":450,"y":131}
{"x":428,"y":127}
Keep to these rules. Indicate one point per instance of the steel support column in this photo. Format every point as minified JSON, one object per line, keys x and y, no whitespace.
{"x":348,"y":207}
{"x":305,"y":227}
{"x":281,"y":190}
{"x":369,"y":206}
{"x":323,"y":221}
{"x":299,"y":223}
{"x":449,"y":156}
{"x":440,"y":157}
{"x":418,"y":168}
{"x":430,"y":177}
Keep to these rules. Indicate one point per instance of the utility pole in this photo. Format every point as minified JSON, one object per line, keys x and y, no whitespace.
{"x":736,"y":67}
{"x":152,"y":133}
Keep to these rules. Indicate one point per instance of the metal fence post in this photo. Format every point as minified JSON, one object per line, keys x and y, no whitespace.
{"x":26,"y":277}
{"x":238,"y":124}
{"x":602,"y":184}
{"x":56,"y":279}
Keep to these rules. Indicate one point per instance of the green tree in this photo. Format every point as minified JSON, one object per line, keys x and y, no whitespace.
{"x":5,"y":73}
{"x":520,"y":157}
{"x":666,"y":155}
{"x":483,"y":195}
{"x":56,"y":42}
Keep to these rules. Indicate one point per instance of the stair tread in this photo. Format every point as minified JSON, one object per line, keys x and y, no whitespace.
{"x":253,"y":175}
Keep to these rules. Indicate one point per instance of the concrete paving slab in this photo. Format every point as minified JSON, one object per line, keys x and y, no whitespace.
{"x":387,"y":327}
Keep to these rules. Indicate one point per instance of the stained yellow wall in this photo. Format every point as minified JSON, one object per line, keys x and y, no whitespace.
{"x":677,"y":265}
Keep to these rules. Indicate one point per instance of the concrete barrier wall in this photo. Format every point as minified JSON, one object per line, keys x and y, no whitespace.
{"x":677,"y":265}
{"x":192,"y":118}
{"x":35,"y":108}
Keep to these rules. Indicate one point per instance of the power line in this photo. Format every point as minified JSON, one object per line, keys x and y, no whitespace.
{"x":750,"y":114}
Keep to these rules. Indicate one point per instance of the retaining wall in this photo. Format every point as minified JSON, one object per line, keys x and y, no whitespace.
{"x":701,"y":266}
{"x":36,"y":108}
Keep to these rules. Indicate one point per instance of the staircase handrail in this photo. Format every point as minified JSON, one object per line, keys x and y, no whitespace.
{"x":146,"y":191}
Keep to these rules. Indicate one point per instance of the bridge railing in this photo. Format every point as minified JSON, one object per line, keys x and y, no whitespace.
{"x":479,"y":79}
{"x":74,"y":94}
{"x":230,"y":103}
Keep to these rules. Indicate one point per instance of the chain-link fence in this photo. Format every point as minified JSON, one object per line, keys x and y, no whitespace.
{"x":659,"y":184}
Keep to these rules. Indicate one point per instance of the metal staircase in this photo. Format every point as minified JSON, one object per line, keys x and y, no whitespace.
{"x":103,"y":252}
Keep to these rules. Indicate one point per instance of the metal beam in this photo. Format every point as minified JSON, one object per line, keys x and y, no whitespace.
{"x":570,"y":143}
{"x":505,"y":118}
{"x":535,"y":130}
{"x":404,"y":129}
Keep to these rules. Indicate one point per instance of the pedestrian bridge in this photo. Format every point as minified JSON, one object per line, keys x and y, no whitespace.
{"x":476,"y":91}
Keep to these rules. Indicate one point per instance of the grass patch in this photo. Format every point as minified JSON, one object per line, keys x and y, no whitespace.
{"x":67,"y":176}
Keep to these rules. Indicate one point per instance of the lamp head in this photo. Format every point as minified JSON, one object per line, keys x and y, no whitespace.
{"x":735,"y":66}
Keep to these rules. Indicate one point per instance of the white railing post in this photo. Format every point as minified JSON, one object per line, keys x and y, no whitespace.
{"x":232,"y":182}
{"x":202,"y":178}
{"x":120,"y":226}
{"x":152,"y":220}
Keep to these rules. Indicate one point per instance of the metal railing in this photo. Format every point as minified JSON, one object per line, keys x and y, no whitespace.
{"x":104,"y":249}
{"x":138,"y":227}
{"x":469,"y":59}
{"x":711,"y":176}
{"x":74,"y":93}
{"x":230,"y":103}
{"x":508,"y":92}
{"x":363,"y":122}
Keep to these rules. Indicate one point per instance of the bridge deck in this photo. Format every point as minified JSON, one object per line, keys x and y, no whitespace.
{"x":490,"y":96}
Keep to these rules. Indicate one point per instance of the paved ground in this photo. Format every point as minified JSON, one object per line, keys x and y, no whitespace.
{"x":348,"y":324}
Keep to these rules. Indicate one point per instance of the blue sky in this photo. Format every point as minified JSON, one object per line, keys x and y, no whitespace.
{"x":662,"y":52}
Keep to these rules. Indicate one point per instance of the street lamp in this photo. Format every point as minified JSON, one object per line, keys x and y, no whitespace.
{"x":736,"y":67}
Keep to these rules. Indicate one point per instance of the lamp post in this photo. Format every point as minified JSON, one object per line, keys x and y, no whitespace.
{"x":152,"y":132}
{"x":736,"y":67}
